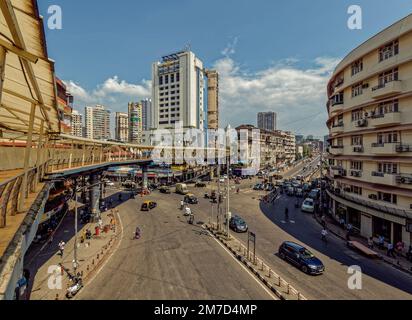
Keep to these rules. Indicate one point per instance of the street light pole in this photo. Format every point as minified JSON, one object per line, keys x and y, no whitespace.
{"x":228,"y":183}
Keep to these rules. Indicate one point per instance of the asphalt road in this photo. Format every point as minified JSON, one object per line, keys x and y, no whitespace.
{"x":172,"y":261}
{"x":379,"y":280}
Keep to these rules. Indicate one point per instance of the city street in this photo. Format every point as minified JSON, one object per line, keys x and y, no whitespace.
{"x":172,"y":260}
{"x":380,"y":281}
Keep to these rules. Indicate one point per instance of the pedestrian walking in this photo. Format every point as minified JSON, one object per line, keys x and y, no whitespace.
{"x":381,"y":242}
{"x":100,"y":224}
{"x":62,"y":245}
{"x":390,"y":252}
{"x":370,"y":243}
{"x":324,"y":233}
{"x":286,"y":214}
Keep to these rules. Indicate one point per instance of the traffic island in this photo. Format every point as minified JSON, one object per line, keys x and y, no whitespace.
{"x":281,"y":288}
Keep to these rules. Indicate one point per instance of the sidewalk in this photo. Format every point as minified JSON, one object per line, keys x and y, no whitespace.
{"x":44,"y":265}
{"x":400,"y":263}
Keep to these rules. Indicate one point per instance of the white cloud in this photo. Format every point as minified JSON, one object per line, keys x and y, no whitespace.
{"x":113,"y":93}
{"x":298,"y":95}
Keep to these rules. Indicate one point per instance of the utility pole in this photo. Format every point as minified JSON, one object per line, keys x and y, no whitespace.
{"x":218,"y":196}
{"x":228,"y":184}
{"x":75,"y":228}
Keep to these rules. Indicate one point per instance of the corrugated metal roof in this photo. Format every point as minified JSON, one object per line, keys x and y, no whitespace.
{"x":29,"y":74}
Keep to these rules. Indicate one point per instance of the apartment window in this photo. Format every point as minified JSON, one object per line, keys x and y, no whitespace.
{"x":356,"y":190}
{"x":357,"y":141}
{"x":167,"y":79}
{"x":357,"y":90}
{"x":387,"y":107}
{"x":177,"y":78}
{"x":172,"y":92}
{"x":388,"y":137}
{"x":388,"y":76}
{"x":340,"y":142}
{"x":163,"y":122}
{"x":173,"y":98}
{"x":173,"y":109}
{"x":357,"y":115}
{"x":357,"y":67}
{"x":389,"y":50}
{"x":172,"y":78}
{"x":388,"y":197}
{"x":388,"y":168}
{"x":160,"y":81}
{"x":162,"y":116}
{"x":356,"y":165}
{"x":173,"y":103}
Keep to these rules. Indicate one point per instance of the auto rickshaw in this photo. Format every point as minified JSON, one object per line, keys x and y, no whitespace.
{"x":148,"y":205}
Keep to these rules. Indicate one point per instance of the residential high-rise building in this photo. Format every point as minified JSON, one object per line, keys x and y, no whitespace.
{"x":65,"y":106}
{"x":97,"y":123}
{"x":370,"y":125}
{"x":178,"y":88}
{"x":122,"y":126}
{"x":147,"y":114}
{"x":266,"y":121}
{"x":135,"y":122}
{"x":212,"y":99}
{"x":77,"y":124}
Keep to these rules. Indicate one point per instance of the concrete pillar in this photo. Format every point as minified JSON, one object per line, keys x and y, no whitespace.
{"x":144,"y":177}
{"x":95,"y":196}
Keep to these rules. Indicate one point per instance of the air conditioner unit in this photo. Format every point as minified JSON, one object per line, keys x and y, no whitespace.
{"x":362,"y":123}
{"x":358,"y":149}
{"x":373,"y":197}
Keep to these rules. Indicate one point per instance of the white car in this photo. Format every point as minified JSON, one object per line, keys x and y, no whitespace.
{"x":110,"y":183}
{"x":308,"y":206}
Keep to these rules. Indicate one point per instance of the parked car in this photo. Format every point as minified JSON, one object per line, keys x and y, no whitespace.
{"x":200,"y":184}
{"x":301,"y":258}
{"x":308,"y":205}
{"x":299,"y":192}
{"x":191,"y":199}
{"x":165,"y":189}
{"x":314,"y":194}
{"x":290,"y":191}
{"x":237,"y":224}
{"x":148,"y":205}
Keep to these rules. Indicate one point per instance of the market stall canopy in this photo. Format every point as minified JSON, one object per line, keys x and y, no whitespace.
{"x":28,"y":73}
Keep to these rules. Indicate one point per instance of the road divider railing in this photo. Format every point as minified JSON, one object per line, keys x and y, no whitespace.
{"x":280,"y":287}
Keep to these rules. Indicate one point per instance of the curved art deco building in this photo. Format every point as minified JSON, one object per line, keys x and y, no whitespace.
{"x":370,"y":124}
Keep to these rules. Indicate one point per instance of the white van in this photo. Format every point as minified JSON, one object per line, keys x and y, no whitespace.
{"x":181,"y":188}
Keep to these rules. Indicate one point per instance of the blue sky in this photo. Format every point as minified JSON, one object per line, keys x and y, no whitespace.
{"x":272,"y":55}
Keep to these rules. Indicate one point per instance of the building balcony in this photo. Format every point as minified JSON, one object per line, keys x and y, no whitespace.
{"x":384,"y":148}
{"x":387,"y":89}
{"x":383,"y":178}
{"x":362,"y":123}
{"x":336,"y":107}
{"x":356,"y":173}
{"x":358,"y":149}
{"x":336,"y":171}
{"x":386,"y":119}
{"x":404,"y":179}
{"x":336,"y":150}
{"x":403,"y":148}
{"x":337,"y":129}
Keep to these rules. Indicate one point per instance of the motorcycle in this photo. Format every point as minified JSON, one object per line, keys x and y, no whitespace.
{"x":74,"y":289}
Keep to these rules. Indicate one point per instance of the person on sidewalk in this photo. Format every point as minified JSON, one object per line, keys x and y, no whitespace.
{"x":370,"y":243}
{"x":400,"y":246}
{"x":391,"y":251}
{"x":381,"y":242}
{"x":62,"y":245}
{"x":324,"y":233}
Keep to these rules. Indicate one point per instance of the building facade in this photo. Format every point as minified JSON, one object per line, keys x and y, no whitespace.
{"x":178,"y":92}
{"x":77,"y":124}
{"x":64,"y":106}
{"x":212,"y":99}
{"x":122,"y":127}
{"x":266,"y":121}
{"x":370,"y":125}
{"x":147,"y":114}
{"x":135,"y":116}
{"x":97,"y":123}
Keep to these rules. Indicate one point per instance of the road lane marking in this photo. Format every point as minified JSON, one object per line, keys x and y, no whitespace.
{"x":244,"y":267}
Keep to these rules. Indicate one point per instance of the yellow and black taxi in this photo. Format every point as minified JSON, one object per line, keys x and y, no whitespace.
{"x":148,"y":205}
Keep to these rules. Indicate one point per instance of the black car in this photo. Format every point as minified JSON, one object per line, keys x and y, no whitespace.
{"x":165,"y":189}
{"x":237,"y":224}
{"x":191,"y":199}
{"x":301,"y":258}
